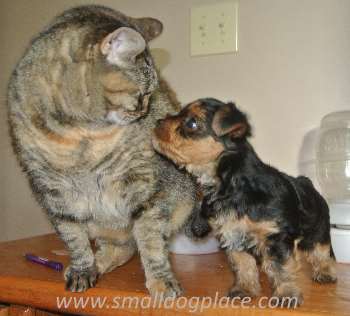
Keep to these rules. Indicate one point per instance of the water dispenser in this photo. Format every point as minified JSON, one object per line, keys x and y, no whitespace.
{"x":333,"y":174}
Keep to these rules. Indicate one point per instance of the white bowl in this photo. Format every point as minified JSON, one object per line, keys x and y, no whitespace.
{"x":340,"y":213}
{"x":341,"y":244}
{"x":181,"y":244}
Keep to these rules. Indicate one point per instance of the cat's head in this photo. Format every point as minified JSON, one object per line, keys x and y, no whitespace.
{"x":126,"y":47}
{"x":129,"y":76}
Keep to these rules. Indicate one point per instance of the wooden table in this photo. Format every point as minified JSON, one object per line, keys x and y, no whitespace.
{"x":32,"y":287}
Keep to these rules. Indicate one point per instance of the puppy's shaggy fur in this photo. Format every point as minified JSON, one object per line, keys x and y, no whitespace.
{"x":256,"y":211}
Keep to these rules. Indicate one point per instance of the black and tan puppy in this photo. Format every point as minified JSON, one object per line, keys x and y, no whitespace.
{"x":256,"y":211}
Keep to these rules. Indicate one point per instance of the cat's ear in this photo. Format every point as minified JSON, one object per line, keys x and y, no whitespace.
{"x":228,"y":120}
{"x":150,"y":28}
{"x":122,"y":46}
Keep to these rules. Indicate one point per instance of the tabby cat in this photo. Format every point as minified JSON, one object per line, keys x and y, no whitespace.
{"x":82,"y":103}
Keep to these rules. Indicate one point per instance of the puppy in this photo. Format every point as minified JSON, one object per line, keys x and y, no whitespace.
{"x":257,"y":212}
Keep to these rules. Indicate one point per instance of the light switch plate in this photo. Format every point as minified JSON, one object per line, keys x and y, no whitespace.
{"x":214,"y":28}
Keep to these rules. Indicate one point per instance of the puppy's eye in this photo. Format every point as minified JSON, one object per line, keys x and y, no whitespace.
{"x":191,"y":124}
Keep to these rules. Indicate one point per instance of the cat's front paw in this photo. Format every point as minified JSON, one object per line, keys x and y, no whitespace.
{"x":164,"y":288}
{"x":80,"y":280}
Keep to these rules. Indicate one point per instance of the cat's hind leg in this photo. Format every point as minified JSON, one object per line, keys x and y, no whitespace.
{"x":114,"y":246}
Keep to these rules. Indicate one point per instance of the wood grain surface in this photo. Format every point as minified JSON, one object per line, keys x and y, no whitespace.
{"x":28,"y":284}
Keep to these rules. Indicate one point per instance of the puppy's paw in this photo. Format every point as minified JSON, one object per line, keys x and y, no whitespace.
{"x":80,"y":280}
{"x":325,"y":277}
{"x":164,"y":288}
{"x":289,"y":299}
{"x":237,"y":291}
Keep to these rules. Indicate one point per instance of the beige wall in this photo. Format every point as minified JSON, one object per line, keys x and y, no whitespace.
{"x":293,"y":67}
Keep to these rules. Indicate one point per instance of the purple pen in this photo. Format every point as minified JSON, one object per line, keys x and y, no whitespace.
{"x":58,"y":266}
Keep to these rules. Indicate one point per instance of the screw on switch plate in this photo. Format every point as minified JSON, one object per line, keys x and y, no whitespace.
{"x":214,"y":28}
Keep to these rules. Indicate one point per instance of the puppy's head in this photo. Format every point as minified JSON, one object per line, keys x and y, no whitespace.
{"x":201,"y":132}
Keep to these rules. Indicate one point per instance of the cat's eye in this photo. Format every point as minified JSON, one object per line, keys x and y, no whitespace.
{"x":191,"y":124}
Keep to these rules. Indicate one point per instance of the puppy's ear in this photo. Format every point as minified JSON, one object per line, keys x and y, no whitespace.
{"x":228,"y":120}
{"x":122,"y":46}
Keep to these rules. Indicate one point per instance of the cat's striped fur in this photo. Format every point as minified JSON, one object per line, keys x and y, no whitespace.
{"x":98,"y":180}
